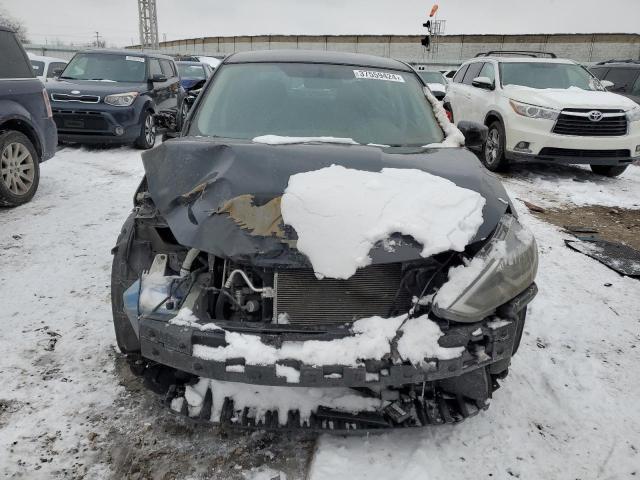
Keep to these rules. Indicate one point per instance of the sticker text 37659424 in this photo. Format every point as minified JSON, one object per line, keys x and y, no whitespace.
{"x":373,"y":75}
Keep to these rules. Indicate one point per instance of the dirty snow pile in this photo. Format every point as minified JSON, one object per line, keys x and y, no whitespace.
{"x":340,"y":214}
{"x":259,"y":399}
{"x":371,"y":339}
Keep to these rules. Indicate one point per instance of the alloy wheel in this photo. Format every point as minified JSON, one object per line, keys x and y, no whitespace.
{"x":492,"y":147}
{"x":17,"y":168}
{"x":150,"y":130}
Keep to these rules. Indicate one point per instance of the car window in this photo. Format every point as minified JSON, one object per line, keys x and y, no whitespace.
{"x":622,"y":78}
{"x":105,"y":67}
{"x":599,"y":72}
{"x":547,"y":75}
{"x":488,"y":71}
{"x":38,"y":67}
{"x":167,"y":68}
{"x":457,"y":78}
{"x":13,"y":63}
{"x":317,"y":100}
{"x":472,"y":72}
{"x":53,"y":66}
{"x":636,"y":88}
{"x":432,"y":77}
{"x":154,"y":67}
{"x":192,"y":72}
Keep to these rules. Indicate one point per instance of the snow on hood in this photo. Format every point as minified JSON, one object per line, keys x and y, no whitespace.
{"x":572,"y":97}
{"x":279,"y":140}
{"x":436,"y":87}
{"x":341,"y":213}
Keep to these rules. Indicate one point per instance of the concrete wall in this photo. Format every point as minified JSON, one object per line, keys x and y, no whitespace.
{"x":452,"y":49}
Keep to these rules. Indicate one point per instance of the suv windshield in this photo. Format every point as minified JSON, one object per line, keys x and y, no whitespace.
{"x":192,"y":72}
{"x":317,"y":100}
{"x":107,"y":67}
{"x":432,"y":77}
{"x":547,"y":75}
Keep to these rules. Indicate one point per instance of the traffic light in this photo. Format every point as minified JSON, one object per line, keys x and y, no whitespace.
{"x":426,"y":42}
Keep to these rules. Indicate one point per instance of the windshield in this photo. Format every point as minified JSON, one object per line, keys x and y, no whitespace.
{"x":192,"y":72}
{"x":547,"y":75}
{"x":432,"y":77}
{"x":317,"y":100}
{"x":107,"y":67}
{"x":38,"y":67}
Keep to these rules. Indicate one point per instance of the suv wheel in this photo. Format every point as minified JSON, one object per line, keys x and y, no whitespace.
{"x":608,"y":171}
{"x":19,"y":169}
{"x":493,"y":150}
{"x":147,"y":137}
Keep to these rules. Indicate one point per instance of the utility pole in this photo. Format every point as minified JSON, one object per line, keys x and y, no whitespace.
{"x":148,"y":18}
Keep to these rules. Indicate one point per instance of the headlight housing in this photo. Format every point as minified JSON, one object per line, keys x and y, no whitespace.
{"x":121,"y":99}
{"x":505,"y":266}
{"x":533,"y":111}
{"x":633,"y":115}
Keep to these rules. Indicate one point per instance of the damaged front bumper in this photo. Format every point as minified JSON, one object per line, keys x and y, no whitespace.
{"x":455,"y":388}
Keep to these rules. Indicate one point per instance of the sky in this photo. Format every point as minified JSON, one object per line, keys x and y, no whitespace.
{"x":117,"y":20}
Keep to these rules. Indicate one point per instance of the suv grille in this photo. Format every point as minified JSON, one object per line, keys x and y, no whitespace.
{"x":568,"y":152}
{"x":577,"y":122}
{"x":63,"y":97}
{"x":309,"y":301}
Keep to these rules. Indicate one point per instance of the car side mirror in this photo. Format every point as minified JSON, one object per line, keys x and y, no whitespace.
{"x":607,"y":83}
{"x":158,"y":78}
{"x":483,"y":82}
{"x":475,"y":134}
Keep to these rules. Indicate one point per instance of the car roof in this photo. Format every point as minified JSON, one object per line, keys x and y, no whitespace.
{"x":123,"y":51}
{"x":189,"y":62}
{"x":6,"y":29}
{"x":635,"y":64}
{"x":521,"y":59}
{"x":316,"y":56}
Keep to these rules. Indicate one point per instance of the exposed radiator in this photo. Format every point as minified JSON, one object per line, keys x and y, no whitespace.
{"x":309,"y":301}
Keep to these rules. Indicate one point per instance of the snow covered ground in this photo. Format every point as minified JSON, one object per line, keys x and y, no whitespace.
{"x":69,"y":410}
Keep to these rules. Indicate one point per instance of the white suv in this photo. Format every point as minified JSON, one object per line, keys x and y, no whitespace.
{"x":545,"y":109}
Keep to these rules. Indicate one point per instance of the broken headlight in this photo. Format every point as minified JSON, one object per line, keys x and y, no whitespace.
{"x":504,"y":267}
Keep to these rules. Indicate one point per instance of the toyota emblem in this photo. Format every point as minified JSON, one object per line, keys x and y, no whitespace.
{"x":77,"y":92}
{"x":595,"y":115}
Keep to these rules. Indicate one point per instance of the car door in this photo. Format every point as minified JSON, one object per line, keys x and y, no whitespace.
{"x":173,"y":84}
{"x":465,"y":92}
{"x":160,"y":90}
{"x":481,"y":99}
{"x":454,"y":97}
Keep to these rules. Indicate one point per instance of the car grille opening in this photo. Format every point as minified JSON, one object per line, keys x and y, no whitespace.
{"x":63,"y":97}
{"x":568,"y":152}
{"x":309,"y":301}
{"x":577,"y":122}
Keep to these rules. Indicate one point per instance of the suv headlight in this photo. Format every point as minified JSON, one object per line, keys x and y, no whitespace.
{"x":504,"y":267}
{"x":121,"y":99}
{"x":533,"y":111}
{"x":633,"y":115}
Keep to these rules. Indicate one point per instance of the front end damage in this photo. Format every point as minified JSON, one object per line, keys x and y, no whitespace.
{"x":246,"y":309}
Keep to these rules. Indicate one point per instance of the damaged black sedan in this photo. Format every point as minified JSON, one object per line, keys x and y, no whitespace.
{"x":319,"y":251}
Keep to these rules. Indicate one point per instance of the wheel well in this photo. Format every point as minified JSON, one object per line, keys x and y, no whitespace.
{"x":492,"y":117}
{"x":26,"y":129}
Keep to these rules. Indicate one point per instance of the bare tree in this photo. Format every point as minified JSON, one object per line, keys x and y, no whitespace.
{"x":13,"y":23}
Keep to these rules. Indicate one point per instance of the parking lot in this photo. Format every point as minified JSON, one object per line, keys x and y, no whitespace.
{"x":70,"y":408}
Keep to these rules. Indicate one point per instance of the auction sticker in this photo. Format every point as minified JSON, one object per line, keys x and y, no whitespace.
{"x":134,"y":59}
{"x":373,"y":75}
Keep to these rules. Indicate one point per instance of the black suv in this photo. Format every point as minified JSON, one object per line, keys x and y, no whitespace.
{"x":27,"y":132}
{"x":624,"y":74}
{"x":116,"y":96}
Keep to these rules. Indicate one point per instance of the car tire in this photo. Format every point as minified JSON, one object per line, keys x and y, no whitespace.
{"x":19,"y":169}
{"x":493,"y":149}
{"x":608,"y":171}
{"x":130,"y":258}
{"x":147,"y":137}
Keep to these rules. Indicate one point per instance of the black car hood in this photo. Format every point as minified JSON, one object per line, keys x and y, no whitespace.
{"x":223,"y":197}
{"x":94,"y":87}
